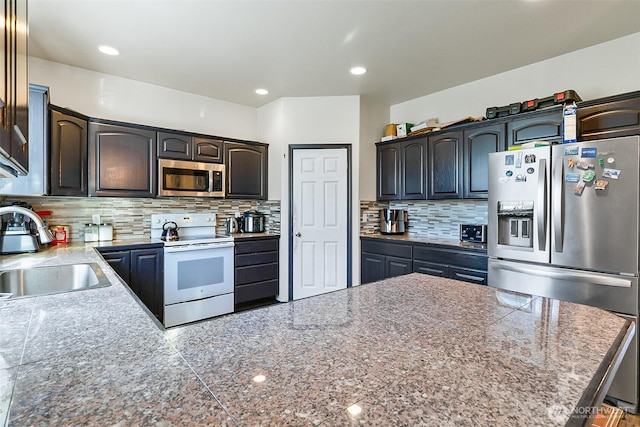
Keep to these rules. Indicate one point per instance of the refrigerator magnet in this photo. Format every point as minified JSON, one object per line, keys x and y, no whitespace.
{"x":579,"y":188}
{"x":571,"y":163}
{"x":571,"y":151}
{"x":584,"y":165}
{"x":600,"y":184}
{"x":572,"y":177}
{"x":588,"y":152}
{"x":588,"y":176}
{"x":611,"y":173}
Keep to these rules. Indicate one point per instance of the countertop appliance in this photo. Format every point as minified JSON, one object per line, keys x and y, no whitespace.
{"x":198,"y":269}
{"x":187,"y":178}
{"x":22,"y":229}
{"x":564,"y":224}
{"x":473,"y":233}
{"x":233,"y":225}
{"x":253,"y":222}
{"x":393,"y":221}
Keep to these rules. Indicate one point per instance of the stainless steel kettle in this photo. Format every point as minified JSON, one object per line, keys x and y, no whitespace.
{"x":233,"y":226}
{"x":169,"y":231}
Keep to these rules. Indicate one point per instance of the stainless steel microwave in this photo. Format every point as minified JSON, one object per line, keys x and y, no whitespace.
{"x":186,"y":178}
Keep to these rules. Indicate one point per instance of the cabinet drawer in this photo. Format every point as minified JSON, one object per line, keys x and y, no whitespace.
{"x":256,"y":258}
{"x":256,"y":273}
{"x":472,"y":261}
{"x":468,"y":275}
{"x":255,"y":291}
{"x":432,"y":268}
{"x":258,"y":245}
{"x":399,"y":250}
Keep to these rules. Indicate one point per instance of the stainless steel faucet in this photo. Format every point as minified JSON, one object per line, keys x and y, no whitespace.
{"x":44,"y":235}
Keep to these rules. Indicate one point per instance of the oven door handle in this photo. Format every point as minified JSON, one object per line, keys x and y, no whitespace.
{"x":198,"y":247}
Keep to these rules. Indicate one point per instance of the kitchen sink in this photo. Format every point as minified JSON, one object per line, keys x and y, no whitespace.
{"x":50,"y":280}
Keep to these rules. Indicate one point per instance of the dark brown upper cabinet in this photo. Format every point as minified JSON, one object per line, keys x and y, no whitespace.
{"x":68,"y":167}
{"x":445,"y":165}
{"x":14,"y":88}
{"x":611,"y":117}
{"x":122,"y":160}
{"x":246,"y":170}
{"x":478,"y":143}
{"x":388,"y":171}
{"x":208,"y":150}
{"x":175,"y":146}
{"x":402,"y":170}
{"x":186,"y":147}
{"x":543,"y":126}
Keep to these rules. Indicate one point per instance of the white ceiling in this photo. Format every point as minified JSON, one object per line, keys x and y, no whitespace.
{"x":227,"y":49}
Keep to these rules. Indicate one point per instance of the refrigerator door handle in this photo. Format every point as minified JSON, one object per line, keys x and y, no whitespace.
{"x":558,"y":199}
{"x":562,"y":274}
{"x":542,"y":205}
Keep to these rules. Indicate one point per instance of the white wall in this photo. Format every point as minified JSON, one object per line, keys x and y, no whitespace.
{"x":605,"y":69}
{"x":309,"y":120}
{"x":373,"y":118}
{"x":109,"y":97}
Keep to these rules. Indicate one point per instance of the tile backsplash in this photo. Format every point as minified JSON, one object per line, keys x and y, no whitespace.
{"x":436,"y":218}
{"x":131,"y":217}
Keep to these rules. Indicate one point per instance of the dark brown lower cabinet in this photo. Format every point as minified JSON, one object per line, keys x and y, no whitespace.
{"x":142,"y":269}
{"x":256,"y":271}
{"x":382,"y":259}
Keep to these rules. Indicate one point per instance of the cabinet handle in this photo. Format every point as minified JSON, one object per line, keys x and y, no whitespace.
{"x":474,"y":278}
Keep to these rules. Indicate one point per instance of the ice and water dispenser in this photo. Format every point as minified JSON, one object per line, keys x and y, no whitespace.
{"x":515,"y":223}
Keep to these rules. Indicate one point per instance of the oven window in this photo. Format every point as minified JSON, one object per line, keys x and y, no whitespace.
{"x":185,"y":179}
{"x":200,"y":272}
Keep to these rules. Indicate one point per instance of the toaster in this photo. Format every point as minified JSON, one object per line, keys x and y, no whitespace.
{"x":473,"y":233}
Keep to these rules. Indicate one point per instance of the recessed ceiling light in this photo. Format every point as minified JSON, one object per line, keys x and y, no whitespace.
{"x":358,"y":71}
{"x":108,"y":50}
{"x":262,"y":91}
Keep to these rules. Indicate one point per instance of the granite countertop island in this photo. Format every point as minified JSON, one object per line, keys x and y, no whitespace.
{"x":412,"y":350}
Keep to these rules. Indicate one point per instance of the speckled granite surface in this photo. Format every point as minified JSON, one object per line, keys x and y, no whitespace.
{"x":412,"y":350}
{"x":408,"y":238}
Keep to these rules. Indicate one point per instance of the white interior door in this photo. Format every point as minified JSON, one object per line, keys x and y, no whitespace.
{"x":319,"y":221}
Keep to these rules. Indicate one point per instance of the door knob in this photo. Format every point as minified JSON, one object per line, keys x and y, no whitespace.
{"x":298,"y":234}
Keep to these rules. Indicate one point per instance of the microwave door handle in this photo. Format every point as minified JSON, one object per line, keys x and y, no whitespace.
{"x":558,"y":200}
{"x":542,"y":205}
{"x":211,"y":175}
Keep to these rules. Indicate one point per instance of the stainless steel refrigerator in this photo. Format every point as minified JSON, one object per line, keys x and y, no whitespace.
{"x":564,"y":223}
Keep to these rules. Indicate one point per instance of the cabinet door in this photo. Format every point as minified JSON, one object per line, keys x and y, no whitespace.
{"x":120,"y":261}
{"x":395,"y":266}
{"x":68,"y":172}
{"x":147,"y":278}
{"x":14,"y":86}
{"x":208,"y":150}
{"x":478,"y":143}
{"x":611,"y":119}
{"x":174,"y":146}
{"x":388,"y":171}
{"x":121,"y":161}
{"x":413,"y":169}
{"x":445,"y":166}
{"x":540,"y":127}
{"x":246,"y":166}
{"x":372,"y":267}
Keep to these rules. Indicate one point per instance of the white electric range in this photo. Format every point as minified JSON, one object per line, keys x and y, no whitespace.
{"x":198,"y":268}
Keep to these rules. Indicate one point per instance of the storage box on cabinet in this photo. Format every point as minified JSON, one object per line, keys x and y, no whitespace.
{"x":256,"y":270}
